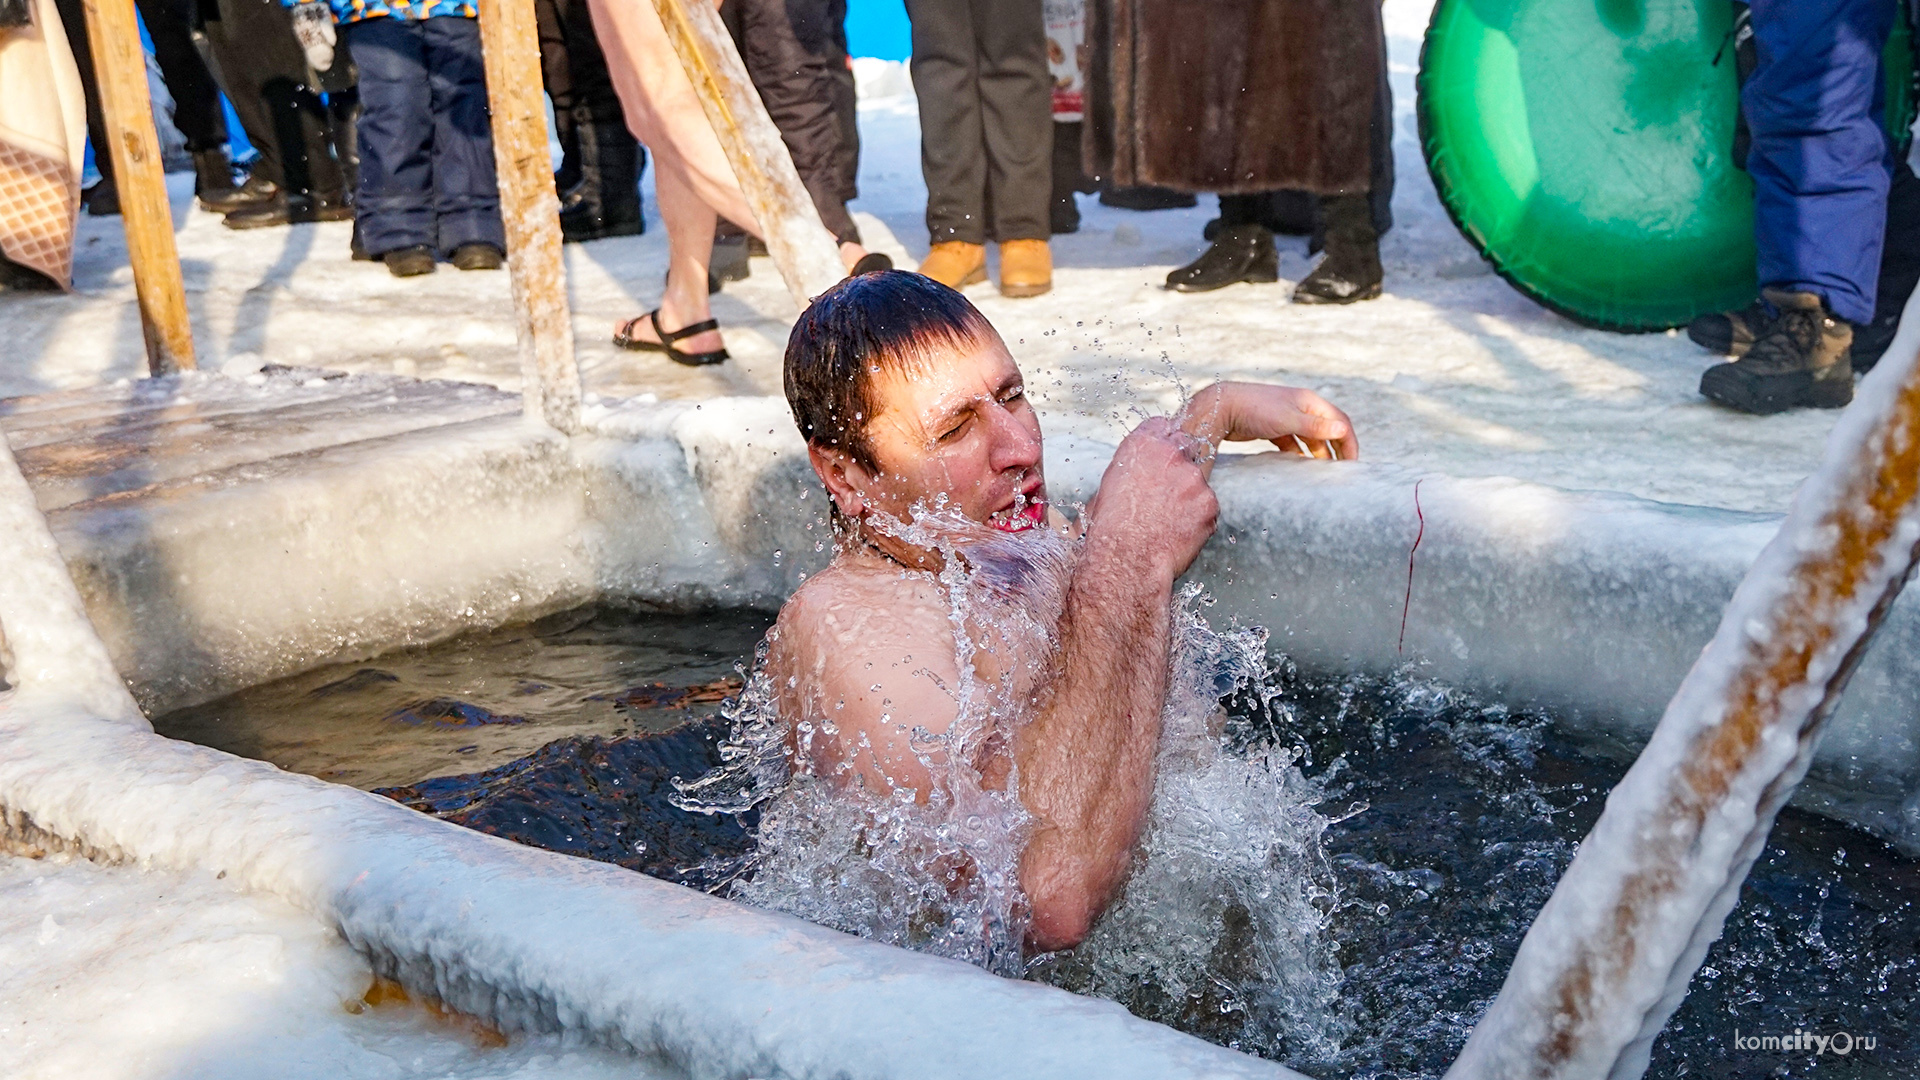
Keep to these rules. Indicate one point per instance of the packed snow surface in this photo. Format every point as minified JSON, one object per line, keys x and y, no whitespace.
{"x":1451,"y":371}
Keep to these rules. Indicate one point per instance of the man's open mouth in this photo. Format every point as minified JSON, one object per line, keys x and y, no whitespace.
{"x":1019,"y":517}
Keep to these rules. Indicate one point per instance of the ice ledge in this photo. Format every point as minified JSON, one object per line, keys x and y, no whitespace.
{"x":534,"y":941}
{"x":1590,"y":603}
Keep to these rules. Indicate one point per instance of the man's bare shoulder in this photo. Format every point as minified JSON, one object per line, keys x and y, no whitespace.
{"x":854,"y":612}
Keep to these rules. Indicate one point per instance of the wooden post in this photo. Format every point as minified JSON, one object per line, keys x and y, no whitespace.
{"x":549,"y":376}
{"x":1610,"y":955}
{"x":802,"y":248}
{"x":121,"y":67}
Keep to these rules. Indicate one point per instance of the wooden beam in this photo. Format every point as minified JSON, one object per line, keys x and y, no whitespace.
{"x":549,"y":375}
{"x":121,"y":67}
{"x":802,"y":248}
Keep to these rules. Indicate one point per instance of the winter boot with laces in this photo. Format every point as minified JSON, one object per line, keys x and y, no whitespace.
{"x":1802,"y":360}
{"x":1731,"y":333}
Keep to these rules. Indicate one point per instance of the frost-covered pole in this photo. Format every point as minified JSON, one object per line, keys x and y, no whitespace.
{"x":802,"y":248}
{"x":543,"y":323}
{"x":1609,"y":958}
{"x":121,"y":65}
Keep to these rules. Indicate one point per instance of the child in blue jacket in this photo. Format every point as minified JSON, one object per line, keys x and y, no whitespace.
{"x":427,"y":186}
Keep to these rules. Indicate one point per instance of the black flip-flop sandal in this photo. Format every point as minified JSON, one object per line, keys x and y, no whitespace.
{"x":625,"y":339}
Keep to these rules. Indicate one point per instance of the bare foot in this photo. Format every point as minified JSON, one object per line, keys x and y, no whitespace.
{"x":851,"y":253}
{"x":676,"y":311}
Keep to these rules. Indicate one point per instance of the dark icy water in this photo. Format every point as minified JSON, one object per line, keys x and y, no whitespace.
{"x":566,"y":734}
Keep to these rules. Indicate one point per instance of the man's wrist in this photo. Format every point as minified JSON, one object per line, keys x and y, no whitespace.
{"x":1120,"y":569}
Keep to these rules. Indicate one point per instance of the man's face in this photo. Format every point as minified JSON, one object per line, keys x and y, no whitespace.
{"x":963,"y":430}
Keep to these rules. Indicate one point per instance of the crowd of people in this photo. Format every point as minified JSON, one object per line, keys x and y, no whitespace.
{"x":376,"y":111}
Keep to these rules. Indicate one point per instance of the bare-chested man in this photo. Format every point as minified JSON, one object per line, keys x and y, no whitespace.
{"x":911,"y":404}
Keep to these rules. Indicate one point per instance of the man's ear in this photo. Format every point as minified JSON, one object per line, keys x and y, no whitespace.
{"x":846,"y":481}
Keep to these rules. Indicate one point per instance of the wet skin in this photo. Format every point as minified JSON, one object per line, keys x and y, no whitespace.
{"x":869,"y":643}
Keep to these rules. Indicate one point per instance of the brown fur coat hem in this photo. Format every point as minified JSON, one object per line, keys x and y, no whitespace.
{"x":1233,"y":96}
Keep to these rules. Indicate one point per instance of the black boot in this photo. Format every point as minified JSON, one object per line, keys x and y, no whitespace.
{"x":1802,"y":361}
{"x":212,"y":176}
{"x":1351,"y":270}
{"x":729,"y":260}
{"x":1240,"y":253}
{"x":606,"y":201}
{"x":103,"y":199}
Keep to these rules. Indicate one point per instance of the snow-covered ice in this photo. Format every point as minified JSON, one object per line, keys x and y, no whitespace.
{"x":1451,"y":371}
{"x":116,"y":973}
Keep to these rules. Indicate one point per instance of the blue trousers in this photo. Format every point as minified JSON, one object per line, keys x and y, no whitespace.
{"x":426,"y":144}
{"x":1820,"y":162}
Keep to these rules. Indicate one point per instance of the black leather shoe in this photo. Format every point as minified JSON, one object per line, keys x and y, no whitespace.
{"x":1241,"y":253}
{"x":1351,"y":270}
{"x":477,"y":255}
{"x":287,"y":208}
{"x":256,"y":191}
{"x":409,"y":261}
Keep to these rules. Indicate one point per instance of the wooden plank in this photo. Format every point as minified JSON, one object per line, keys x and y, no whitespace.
{"x":802,"y":248}
{"x":543,"y":324}
{"x":121,"y":66}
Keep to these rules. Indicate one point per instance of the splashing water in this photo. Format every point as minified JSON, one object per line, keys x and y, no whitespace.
{"x":1220,"y":928}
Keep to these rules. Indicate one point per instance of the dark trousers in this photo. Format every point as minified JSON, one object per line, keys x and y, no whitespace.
{"x":1820,"y":163}
{"x":266,"y":76}
{"x":573,"y":70}
{"x":986,"y":117}
{"x":796,"y":53}
{"x":196,"y":97}
{"x":426,"y":147}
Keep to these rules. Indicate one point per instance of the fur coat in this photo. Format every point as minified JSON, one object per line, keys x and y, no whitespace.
{"x":1233,"y":96}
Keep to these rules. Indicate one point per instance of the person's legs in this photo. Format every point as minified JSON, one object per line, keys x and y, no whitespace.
{"x":395,"y":202}
{"x":1821,"y":169}
{"x":1016,"y":118}
{"x":556,"y":77}
{"x":466,"y":193}
{"x":788,"y":48}
{"x":241,"y":72}
{"x":196,"y":98}
{"x":662,"y":110}
{"x":953,"y":156}
{"x":268,"y":83}
{"x":689,"y":220}
{"x":1819,"y":158}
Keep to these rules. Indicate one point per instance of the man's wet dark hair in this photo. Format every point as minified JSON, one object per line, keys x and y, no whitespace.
{"x":892,"y":320}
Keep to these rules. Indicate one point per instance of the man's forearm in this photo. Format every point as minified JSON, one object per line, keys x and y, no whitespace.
{"x":1086,"y":761}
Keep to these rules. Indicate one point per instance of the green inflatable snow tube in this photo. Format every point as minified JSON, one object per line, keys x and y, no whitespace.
{"x":1585,"y":148}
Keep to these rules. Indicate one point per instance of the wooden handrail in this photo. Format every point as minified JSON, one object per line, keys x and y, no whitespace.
{"x":1609,"y":957}
{"x":120,"y":67}
{"x":543,"y":320}
{"x":801,"y":247}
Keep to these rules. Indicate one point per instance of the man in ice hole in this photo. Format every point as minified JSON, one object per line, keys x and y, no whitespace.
{"x":910,"y":400}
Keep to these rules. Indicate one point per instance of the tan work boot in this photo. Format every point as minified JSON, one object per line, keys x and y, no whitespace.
{"x":1026,"y":268}
{"x":956,"y":263}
